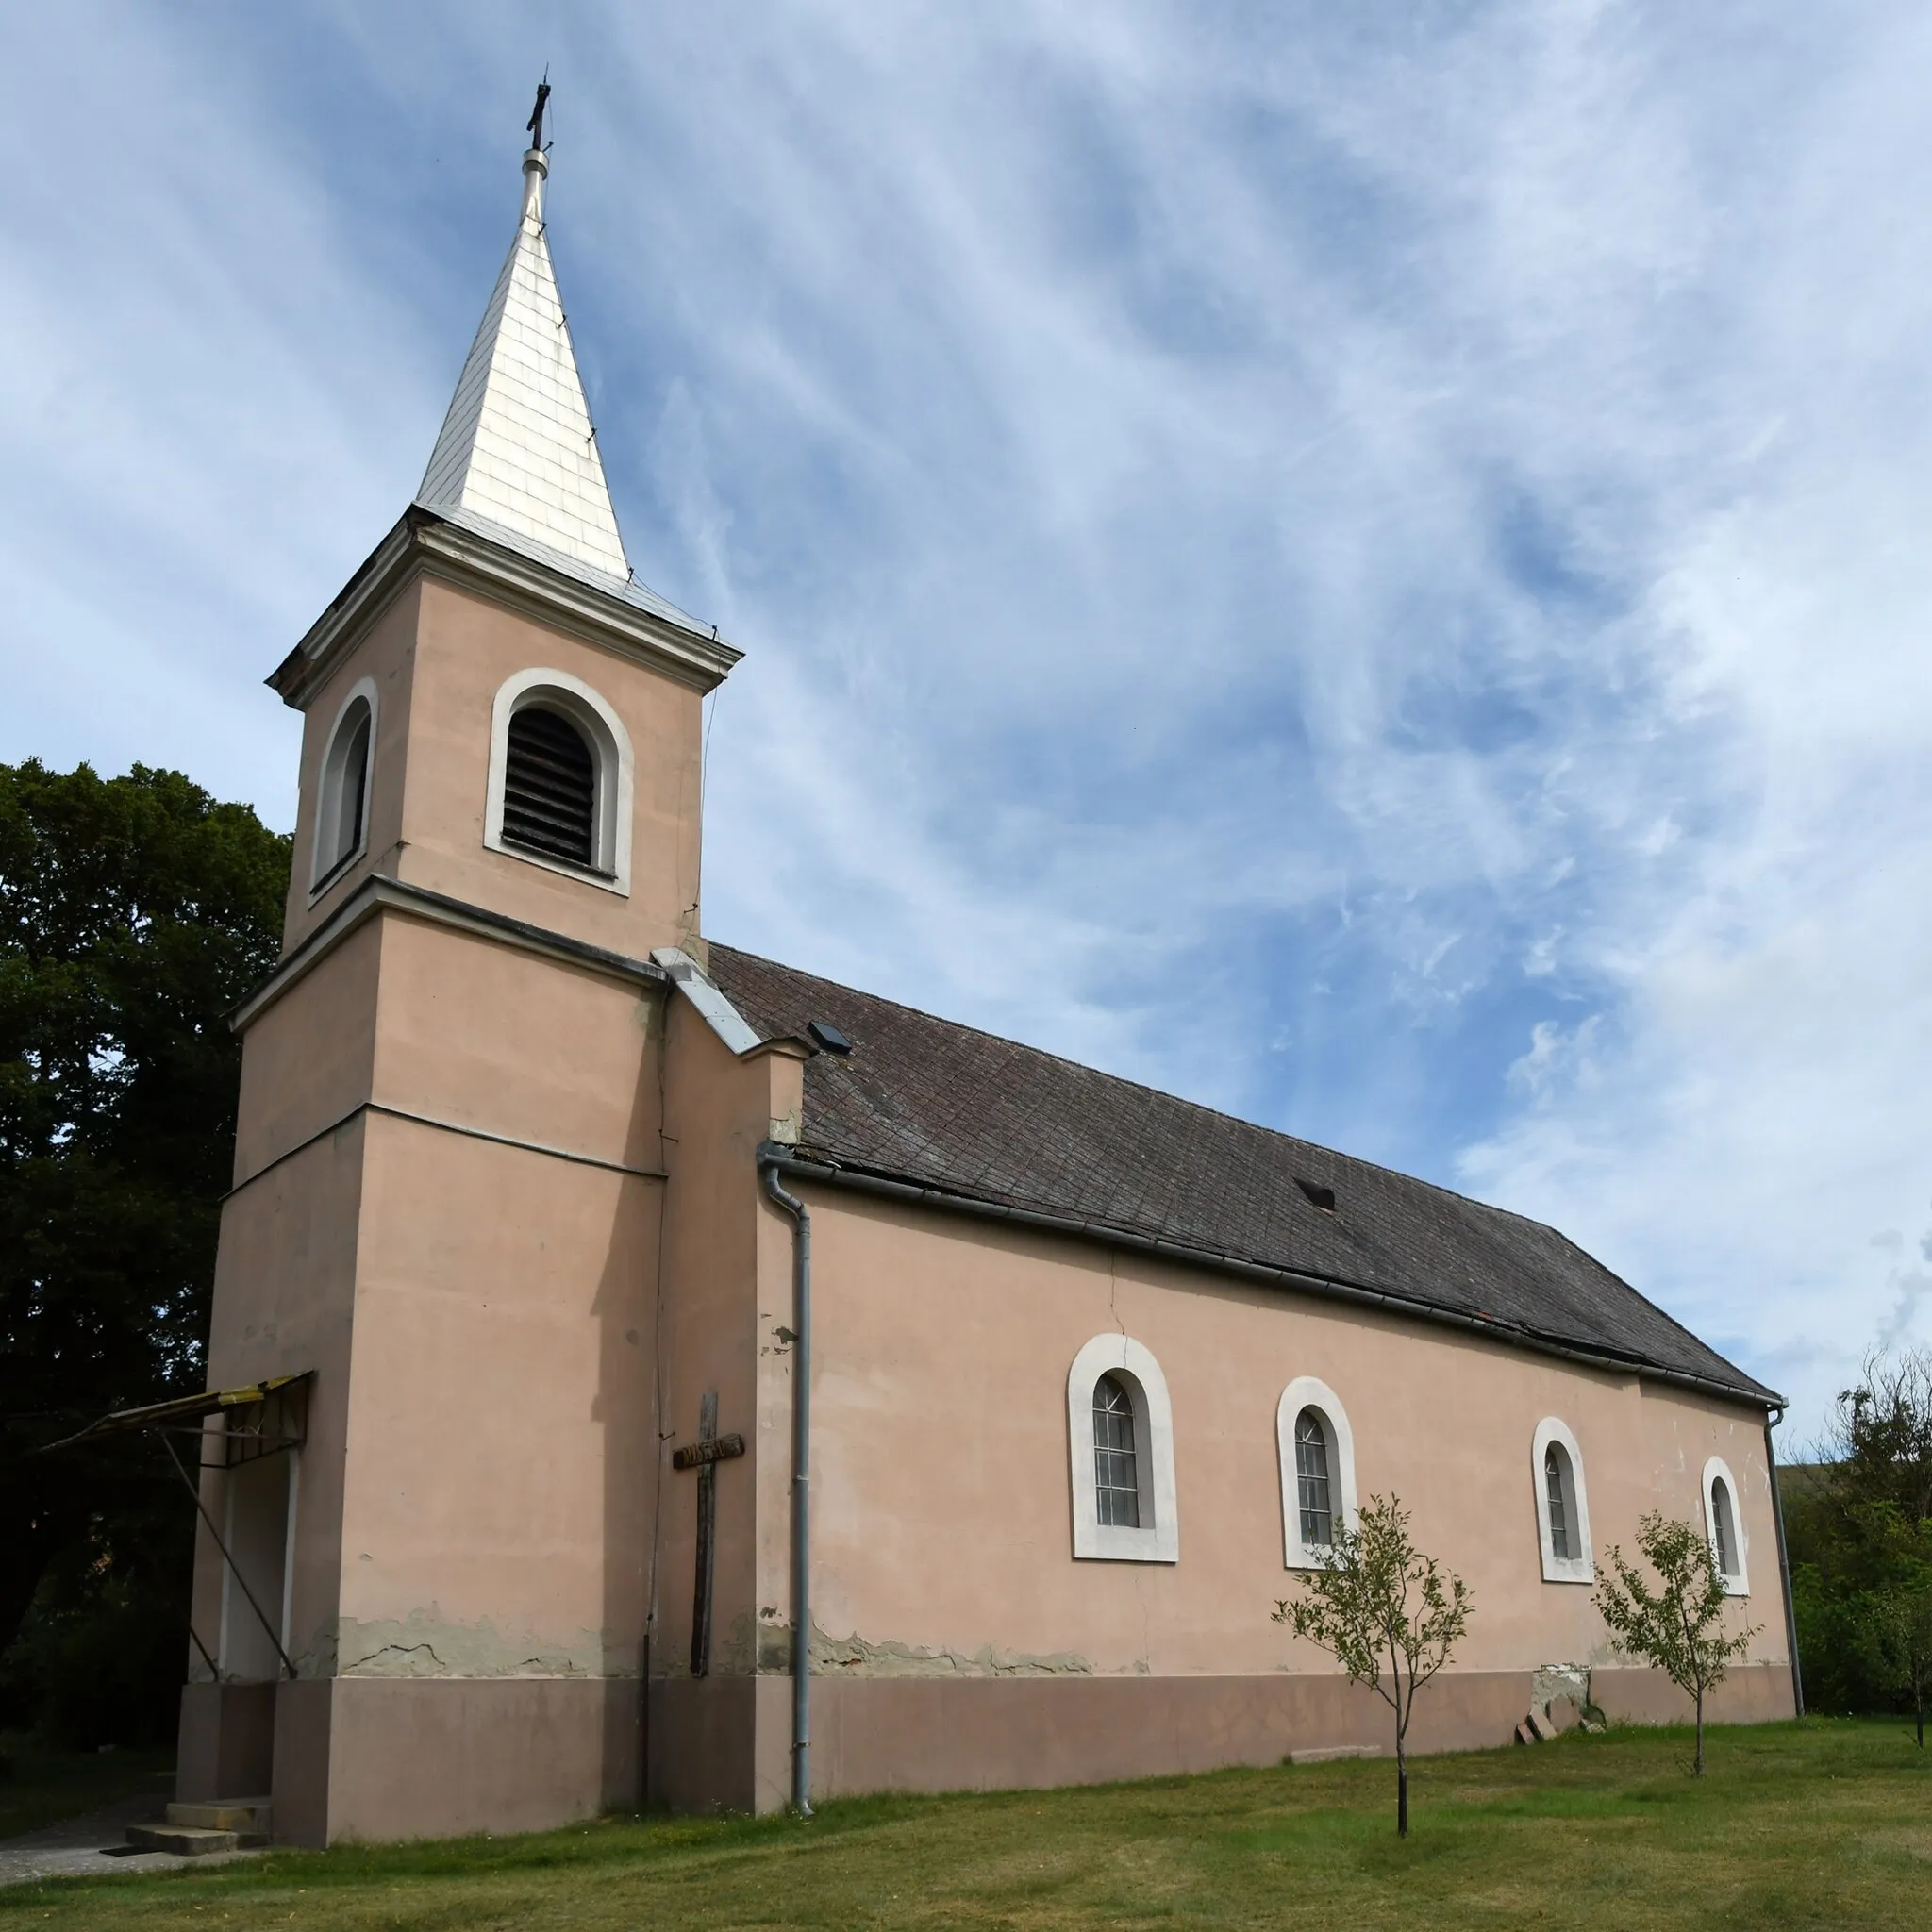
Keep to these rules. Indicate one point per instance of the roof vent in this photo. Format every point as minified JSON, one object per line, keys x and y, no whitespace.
{"x":1322,"y":1197}
{"x":828,"y":1037}
{"x":549,"y":788}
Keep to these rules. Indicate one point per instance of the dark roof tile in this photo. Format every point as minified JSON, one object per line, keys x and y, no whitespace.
{"x":946,"y":1106}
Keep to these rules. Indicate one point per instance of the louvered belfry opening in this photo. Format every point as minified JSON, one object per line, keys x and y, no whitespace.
{"x":550,"y":788}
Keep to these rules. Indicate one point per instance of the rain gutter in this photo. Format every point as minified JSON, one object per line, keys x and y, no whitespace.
{"x":1784,"y":1562}
{"x":772,"y":1162}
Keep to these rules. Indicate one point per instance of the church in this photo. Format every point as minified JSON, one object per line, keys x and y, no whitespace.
{"x":656,"y":1375}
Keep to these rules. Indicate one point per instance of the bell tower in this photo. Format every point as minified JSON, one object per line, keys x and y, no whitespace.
{"x":449,"y":1167}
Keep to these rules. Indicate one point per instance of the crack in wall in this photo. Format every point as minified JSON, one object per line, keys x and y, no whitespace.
{"x":423,"y":1645}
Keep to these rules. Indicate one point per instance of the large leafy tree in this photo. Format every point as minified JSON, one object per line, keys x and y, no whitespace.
{"x":1896,"y":1626}
{"x":134,"y":912}
{"x":1861,"y":1522}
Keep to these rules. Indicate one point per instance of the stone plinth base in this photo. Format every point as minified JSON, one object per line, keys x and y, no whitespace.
{"x":371,"y":1758}
{"x":724,"y":1743}
{"x":378,"y":1757}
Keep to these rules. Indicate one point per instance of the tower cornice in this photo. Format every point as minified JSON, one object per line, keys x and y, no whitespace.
{"x":428,"y":542}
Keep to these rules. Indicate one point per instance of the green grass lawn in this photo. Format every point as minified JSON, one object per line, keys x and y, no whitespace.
{"x":42,"y":1786}
{"x":1824,"y":1823}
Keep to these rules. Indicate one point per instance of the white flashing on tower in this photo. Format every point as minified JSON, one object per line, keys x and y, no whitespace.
{"x":517,"y":447}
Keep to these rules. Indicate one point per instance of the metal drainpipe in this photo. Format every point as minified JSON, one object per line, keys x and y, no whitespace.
{"x":1784,"y":1565}
{"x":770,"y":1155}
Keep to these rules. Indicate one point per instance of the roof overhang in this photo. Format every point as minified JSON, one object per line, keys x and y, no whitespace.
{"x":425,"y":542}
{"x":811,"y":1165}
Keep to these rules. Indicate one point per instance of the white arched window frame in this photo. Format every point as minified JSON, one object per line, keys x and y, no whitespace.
{"x":1580,"y":1568}
{"x":1307,"y":1392}
{"x":610,"y":746}
{"x":331,"y":857}
{"x":1736,"y":1579}
{"x":1158,"y":1539}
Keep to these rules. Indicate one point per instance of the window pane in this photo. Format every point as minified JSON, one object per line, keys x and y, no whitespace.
{"x":1311,"y":1481}
{"x":345,"y":776}
{"x":354,"y":780}
{"x":1116,"y":1481}
{"x":1560,"y":1546}
{"x":1726,"y":1537}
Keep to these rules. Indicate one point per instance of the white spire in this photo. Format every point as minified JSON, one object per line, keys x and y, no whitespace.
{"x":517,"y":448}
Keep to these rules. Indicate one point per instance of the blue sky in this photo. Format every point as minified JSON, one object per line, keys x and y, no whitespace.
{"x":1366,"y":565}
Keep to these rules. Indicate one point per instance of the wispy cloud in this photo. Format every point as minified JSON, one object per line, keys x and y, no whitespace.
{"x":1364,"y":564}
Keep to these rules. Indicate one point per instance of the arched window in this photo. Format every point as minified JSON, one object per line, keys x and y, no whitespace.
{"x":1562,"y":1506}
{"x":1725,"y":1525}
{"x":1311,"y":1479}
{"x":1559,"y":1489}
{"x":1116,"y":1487}
{"x":560,"y":779}
{"x":1120,"y":1435}
{"x":341,"y":804}
{"x":1317,"y":1451}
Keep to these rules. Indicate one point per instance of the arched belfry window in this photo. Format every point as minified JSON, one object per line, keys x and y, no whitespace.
{"x":550,"y":786}
{"x":1724,"y":1524}
{"x":1317,"y":1451}
{"x":1562,"y":1504}
{"x":560,"y":779}
{"x":1120,"y":1440}
{"x":342,"y":799}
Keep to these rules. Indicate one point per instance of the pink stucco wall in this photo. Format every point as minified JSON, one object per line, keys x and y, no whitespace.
{"x":943,"y":1511}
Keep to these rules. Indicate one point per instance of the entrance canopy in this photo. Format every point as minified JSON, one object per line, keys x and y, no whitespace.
{"x":182,"y":1409}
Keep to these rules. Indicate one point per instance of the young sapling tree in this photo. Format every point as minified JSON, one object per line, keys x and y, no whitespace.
{"x":1677,"y":1626}
{"x":1390,"y":1615}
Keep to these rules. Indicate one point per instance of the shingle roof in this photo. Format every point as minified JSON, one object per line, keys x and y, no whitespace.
{"x":944,"y":1107}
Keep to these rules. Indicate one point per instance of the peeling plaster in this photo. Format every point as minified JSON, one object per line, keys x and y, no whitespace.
{"x":765,"y":1647}
{"x":423,"y":1645}
{"x":1560,"y":1680}
{"x":854,"y":1657}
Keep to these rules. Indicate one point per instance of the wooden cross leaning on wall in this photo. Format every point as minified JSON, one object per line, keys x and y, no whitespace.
{"x":704,"y":1456}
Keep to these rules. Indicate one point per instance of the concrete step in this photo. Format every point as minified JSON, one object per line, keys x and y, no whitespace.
{"x":1332,"y":1754}
{"x":223,"y":1814}
{"x":186,"y":1840}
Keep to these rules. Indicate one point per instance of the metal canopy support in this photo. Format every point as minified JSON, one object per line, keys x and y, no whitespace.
{"x":275,"y":1636}
{"x":255,"y":1444}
